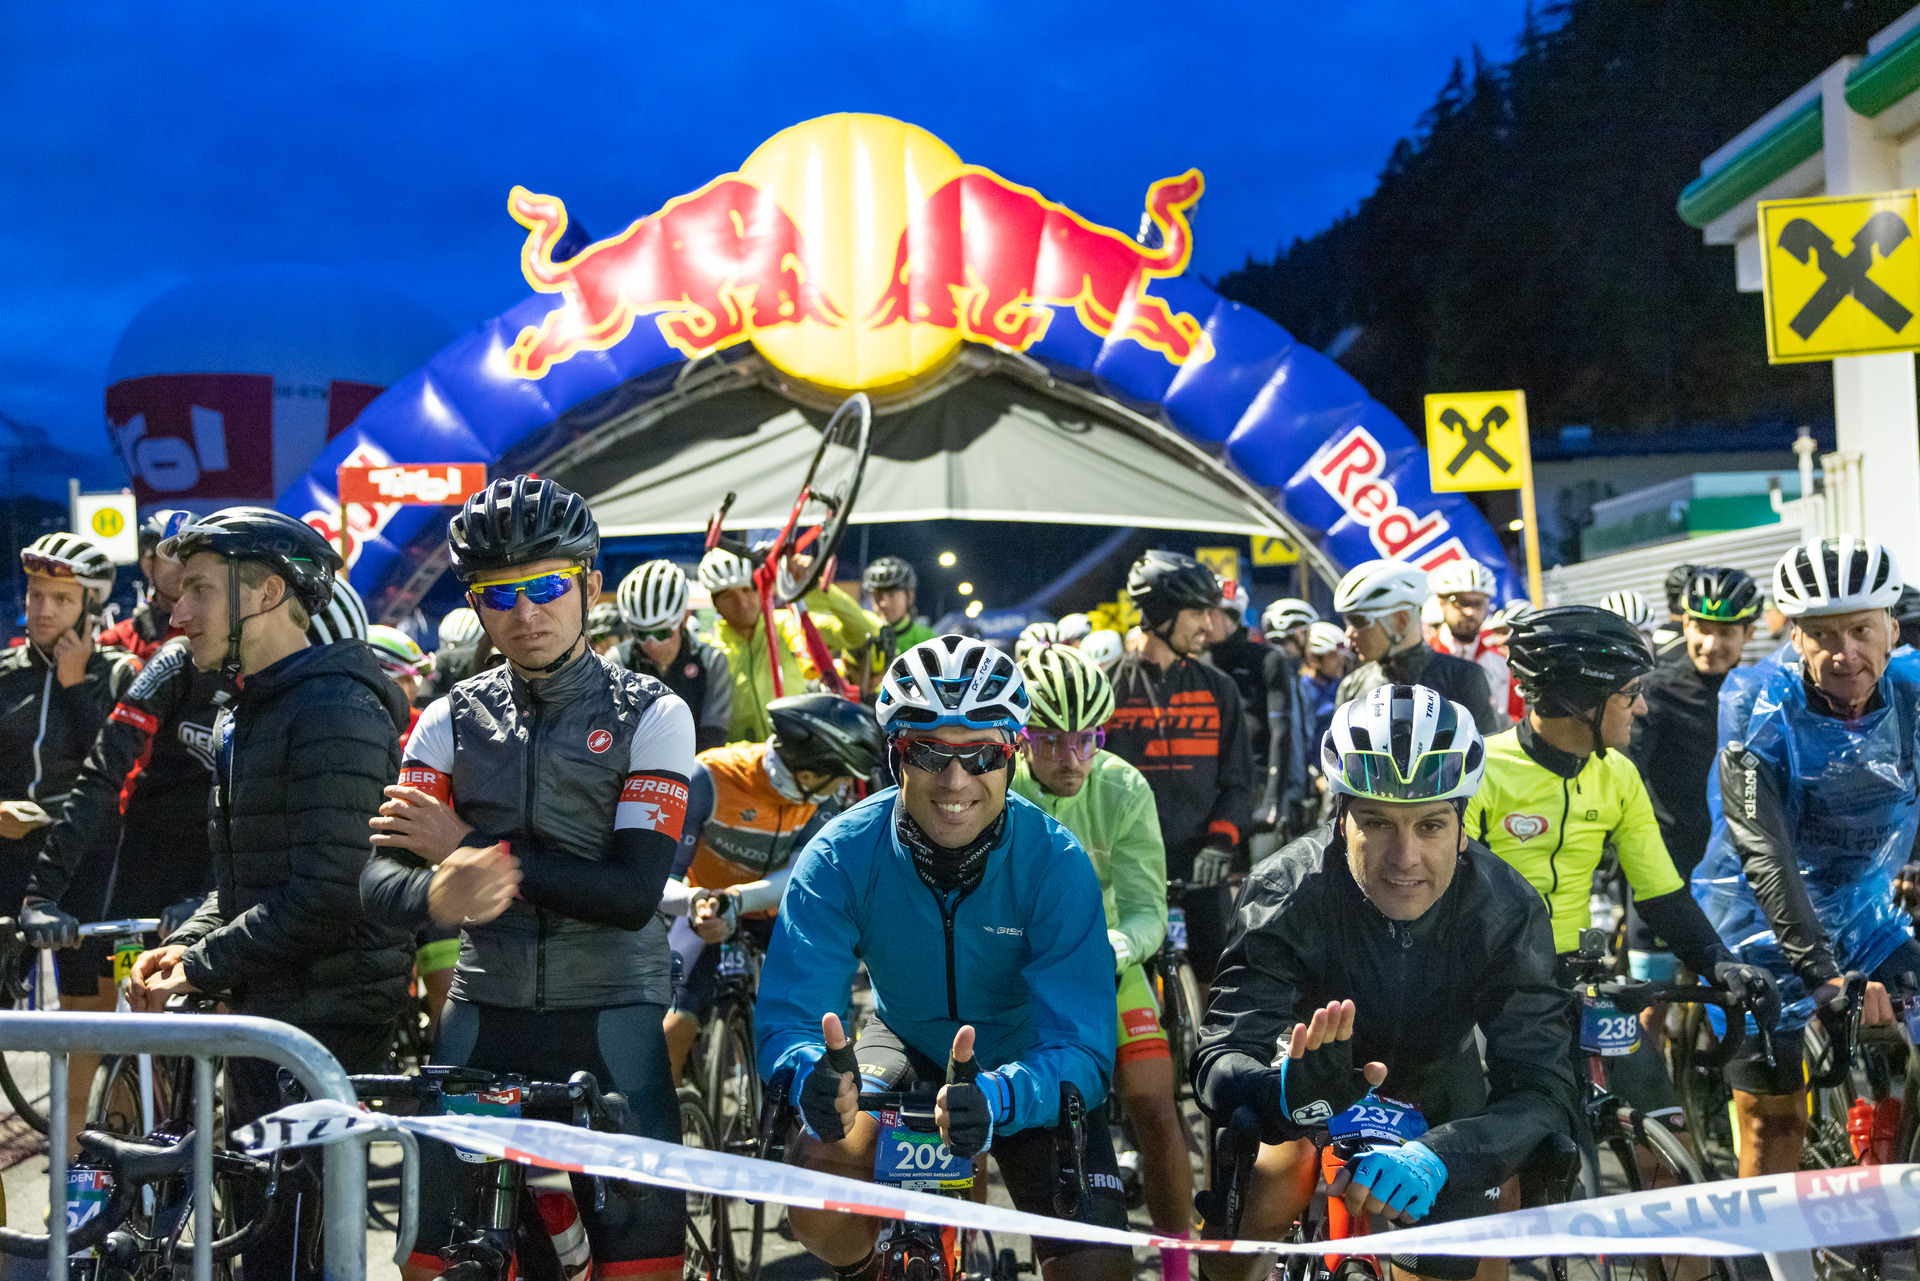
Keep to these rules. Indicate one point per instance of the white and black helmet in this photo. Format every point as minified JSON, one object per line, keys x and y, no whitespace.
{"x":1403,"y":743}
{"x":461,"y":626}
{"x":1465,"y":575}
{"x":953,"y":680}
{"x":1035,"y":636}
{"x":73,"y":557}
{"x":1073,"y":628}
{"x":1835,"y":576}
{"x":1104,"y":649}
{"x":343,"y":618}
{"x":1376,"y":588}
{"x":1070,"y":693}
{"x":1632,"y":606}
{"x":1323,"y":639}
{"x":1287,"y":614}
{"x":654,"y":596}
{"x":721,"y":570}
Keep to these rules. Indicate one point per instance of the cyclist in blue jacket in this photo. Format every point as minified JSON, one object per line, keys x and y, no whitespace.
{"x":981,"y":924}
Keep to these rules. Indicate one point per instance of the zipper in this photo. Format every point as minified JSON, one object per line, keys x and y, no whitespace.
{"x":526,"y":825}
{"x":1559,"y":843}
{"x":946,"y":919}
{"x":46,"y":698}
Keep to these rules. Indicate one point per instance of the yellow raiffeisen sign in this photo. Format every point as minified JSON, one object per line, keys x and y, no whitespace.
{"x":1476,"y":440}
{"x":1841,"y":275}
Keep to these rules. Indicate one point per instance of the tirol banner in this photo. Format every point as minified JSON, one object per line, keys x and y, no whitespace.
{"x":858,"y":252}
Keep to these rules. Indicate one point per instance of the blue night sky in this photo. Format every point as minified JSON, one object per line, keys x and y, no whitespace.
{"x":147,"y":143}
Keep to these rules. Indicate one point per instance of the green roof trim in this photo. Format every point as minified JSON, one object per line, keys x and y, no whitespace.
{"x":1792,"y":141}
{"x":1886,"y":77}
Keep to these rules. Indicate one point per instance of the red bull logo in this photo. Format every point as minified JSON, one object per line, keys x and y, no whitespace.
{"x":1352,"y":470}
{"x":857,"y":252}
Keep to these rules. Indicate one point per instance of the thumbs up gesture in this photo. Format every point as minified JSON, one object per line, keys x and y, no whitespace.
{"x":830,"y":1096}
{"x":962,"y":1109}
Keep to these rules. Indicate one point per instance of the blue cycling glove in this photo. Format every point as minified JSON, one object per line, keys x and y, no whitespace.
{"x":1406,"y":1179}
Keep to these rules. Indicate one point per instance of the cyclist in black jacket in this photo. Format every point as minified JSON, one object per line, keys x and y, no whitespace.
{"x":1179,"y":722}
{"x":540,"y":809}
{"x":1380,"y":601}
{"x":1385,"y":939}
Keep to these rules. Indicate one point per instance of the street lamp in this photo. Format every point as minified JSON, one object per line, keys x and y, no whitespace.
{"x":947,"y":560}
{"x":965,"y":589}
{"x":973,"y":610}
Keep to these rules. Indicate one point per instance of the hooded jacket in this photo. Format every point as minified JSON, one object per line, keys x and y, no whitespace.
{"x":302,"y":758}
{"x":1482,"y":956}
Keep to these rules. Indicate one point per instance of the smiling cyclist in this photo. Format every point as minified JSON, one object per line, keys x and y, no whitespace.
{"x":980,"y":923}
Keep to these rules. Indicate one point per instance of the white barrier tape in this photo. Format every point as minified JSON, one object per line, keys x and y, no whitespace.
{"x":1854,"y":1206}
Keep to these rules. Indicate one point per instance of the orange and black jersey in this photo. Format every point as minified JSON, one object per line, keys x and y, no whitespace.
{"x":1185,"y":730}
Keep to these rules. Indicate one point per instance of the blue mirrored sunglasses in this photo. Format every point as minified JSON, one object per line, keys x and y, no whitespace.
{"x":541,"y":589}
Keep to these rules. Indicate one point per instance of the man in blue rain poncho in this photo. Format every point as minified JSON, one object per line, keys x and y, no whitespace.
{"x":1815,"y":813}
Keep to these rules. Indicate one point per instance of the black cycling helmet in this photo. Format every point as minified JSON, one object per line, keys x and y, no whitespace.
{"x":518,"y":521}
{"x":1677,"y":579}
{"x":825,"y":734}
{"x":1720,"y":595}
{"x":1163,"y":583}
{"x":1572,"y":658}
{"x":293,"y":549}
{"x":888,"y":574}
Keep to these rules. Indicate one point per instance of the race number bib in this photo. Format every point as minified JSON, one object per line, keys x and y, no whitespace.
{"x":125,"y":952}
{"x":1381,"y":1119}
{"x":1177,"y":928}
{"x":1605,"y":1030}
{"x":917,"y":1162}
{"x":733,"y":960}
{"x":484,"y":1103}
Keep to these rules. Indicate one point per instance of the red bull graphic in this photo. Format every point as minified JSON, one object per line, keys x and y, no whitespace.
{"x":711,"y":267}
{"x":992,"y":259}
{"x":1353,"y":472}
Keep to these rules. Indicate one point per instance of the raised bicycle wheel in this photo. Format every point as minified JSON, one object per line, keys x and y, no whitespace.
{"x":732,"y":1100}
{"x":830,"y":490}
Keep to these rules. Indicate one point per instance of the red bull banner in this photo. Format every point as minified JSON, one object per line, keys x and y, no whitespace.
{"x":859,"y":252}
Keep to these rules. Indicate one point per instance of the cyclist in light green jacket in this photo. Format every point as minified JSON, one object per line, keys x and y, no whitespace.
{"x":1108,"y":806}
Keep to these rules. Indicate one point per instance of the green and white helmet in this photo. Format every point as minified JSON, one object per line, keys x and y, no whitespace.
{"x":1068,"y":689}
{"x":396,"y":652}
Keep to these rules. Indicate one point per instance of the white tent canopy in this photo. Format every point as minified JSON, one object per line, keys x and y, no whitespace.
{"x":986,"y":448}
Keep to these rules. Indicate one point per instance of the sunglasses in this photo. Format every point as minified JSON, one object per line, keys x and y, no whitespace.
{"x":657,"y":635}
{"x":1360,"y":622}
{"x":1057,"y":745}
{"x":1378,"y":775}
{"x":933,"y":756}
{"x":35,"y":563}
{"x":541,"y":589}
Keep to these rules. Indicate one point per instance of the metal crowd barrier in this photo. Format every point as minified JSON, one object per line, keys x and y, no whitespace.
{"x":203,"y":1037}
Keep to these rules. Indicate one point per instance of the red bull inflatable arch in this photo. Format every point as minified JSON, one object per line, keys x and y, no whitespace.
{"x":699,"y":349}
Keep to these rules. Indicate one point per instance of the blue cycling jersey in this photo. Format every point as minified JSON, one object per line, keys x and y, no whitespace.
{"x":1023,"y":957}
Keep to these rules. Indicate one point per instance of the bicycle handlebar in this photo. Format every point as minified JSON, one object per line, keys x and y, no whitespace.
{"x":1634,"y":995}
{"x":605,"y":1112}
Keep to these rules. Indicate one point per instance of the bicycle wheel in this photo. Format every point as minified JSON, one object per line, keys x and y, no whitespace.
{"x":1180,"y":1016}
{"x":831,"y":488}
{"x":1704,"y":1096}
{"x":707,"y":1234}
{"x":22,"y":1106}
{"x":733,"y":1111}
{"x":113,"y":1102}
{"x":1651,"y":1157}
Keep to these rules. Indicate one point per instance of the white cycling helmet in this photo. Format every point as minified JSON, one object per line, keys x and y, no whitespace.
{"x":1033,"y":636}
{"x":953,"y":680}
{"x":460,"y":627}
{"x":1287,"y":614}
{"x":1633,"y":607}
{"x":721,"y":570}
{"x":653,"y":596}
{"x":1323,"y":639}
{"x":1432,"y":614}
{"x":1508,"y":616}
{"x":72,"y":557}
{"x":1104,"y":648}
{"x":344,"y":618}
{"x":1074,"y":628}
{"x":1403,"y":743}
{"x":1841,"y":575}
{"x":1462,"y":576}
{"x":1376,"y":588}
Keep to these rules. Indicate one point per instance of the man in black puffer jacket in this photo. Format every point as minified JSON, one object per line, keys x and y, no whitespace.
{"x":301,"y":761}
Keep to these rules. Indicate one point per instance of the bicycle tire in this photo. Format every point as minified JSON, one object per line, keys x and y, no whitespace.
{"x":1667,"y":1150}
{"x":709,"y":1239}
{"x":733,"y":1100}
{"x":1182,"y":1000}
{"x":21,"y":1108}
{"x":839,"y":465}
{"x":1703,"y":1092}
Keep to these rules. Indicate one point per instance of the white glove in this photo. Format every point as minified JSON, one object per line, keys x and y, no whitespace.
{"x":1122,"y":950}
{"x":1210,"y":866}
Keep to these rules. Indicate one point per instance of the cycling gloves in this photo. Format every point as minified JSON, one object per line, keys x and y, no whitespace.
{"x":1210,"y":866}
{"x":1406,"y":1179}
{"x":1753,"y":987}
{"x":1316,"y":1087}
{"x":45,"y":925}
{"x":821,"y":1089}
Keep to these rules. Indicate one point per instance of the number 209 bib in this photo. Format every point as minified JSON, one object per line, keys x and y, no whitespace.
{"x":917,"y":1162}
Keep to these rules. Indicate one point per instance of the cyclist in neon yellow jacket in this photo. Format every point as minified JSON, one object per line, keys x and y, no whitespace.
{"x":741,"y":633}
{"x":1108,"y":806}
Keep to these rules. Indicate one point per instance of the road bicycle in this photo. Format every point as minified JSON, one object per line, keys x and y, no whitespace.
{"x":730,"y":1089}
{"x":911,"y":1154}
{"x":504,"y":1225}
{"x":1170,"y":975}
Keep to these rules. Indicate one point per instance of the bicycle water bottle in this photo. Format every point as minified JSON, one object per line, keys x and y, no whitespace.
{"x":1886,"y":1131}
{"x":1860,"y":1131}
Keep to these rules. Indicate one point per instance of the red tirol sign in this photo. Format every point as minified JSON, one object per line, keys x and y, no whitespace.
{"x":420,"y":484}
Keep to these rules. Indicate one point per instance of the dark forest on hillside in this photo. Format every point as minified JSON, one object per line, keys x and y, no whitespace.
{"x":1526,"y":235}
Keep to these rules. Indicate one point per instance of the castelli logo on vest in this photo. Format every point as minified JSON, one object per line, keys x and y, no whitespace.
{"x":1524,"y":827}
{"x":599,"y":741}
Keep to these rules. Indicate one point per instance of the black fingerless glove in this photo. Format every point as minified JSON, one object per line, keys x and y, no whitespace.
{"x":821,"y":1089}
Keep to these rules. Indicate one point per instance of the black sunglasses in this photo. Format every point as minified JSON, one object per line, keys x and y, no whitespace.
{"x":933,"y":756}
